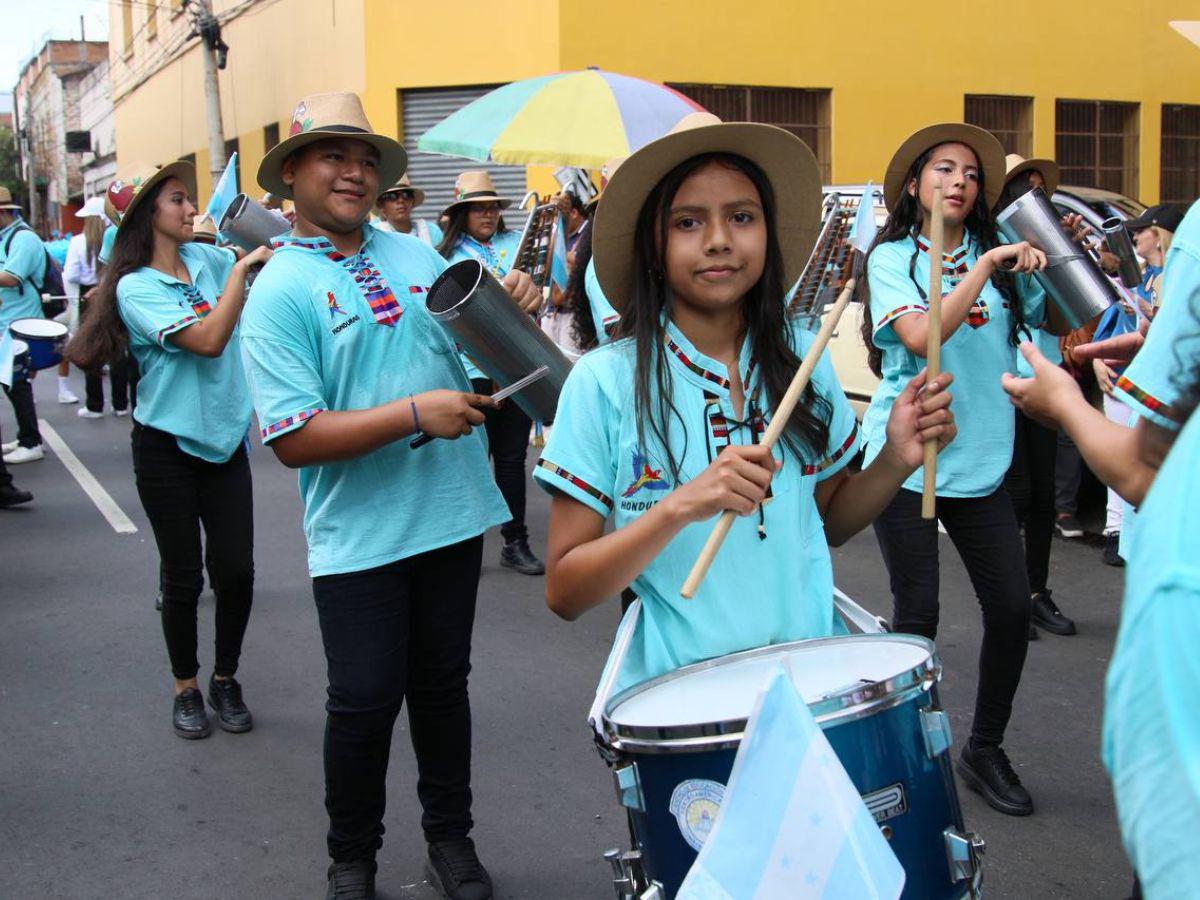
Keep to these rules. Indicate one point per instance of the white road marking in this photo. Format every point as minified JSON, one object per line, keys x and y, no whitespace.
{"x":108,"y":507}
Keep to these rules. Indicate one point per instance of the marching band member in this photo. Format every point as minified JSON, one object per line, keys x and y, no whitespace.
{"x":176,"y":304}
{"x":22,"y":266}
{"x":981,"y":317}
{"x":695,"y":241}
{"x":345,"y":363}
{"x":396,"y":205}
{"x":476,"y":230}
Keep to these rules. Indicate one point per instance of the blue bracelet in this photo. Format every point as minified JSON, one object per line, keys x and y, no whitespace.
{"x":416,"y":418}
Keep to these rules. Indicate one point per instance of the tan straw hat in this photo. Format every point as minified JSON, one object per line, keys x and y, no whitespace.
{"x":789,"y":165}
{"x":132,"y":184}
{"x":987,"y":150}
{"x":204,"y":230}
{"x":1015,"y":164}
{"x":475,"y":186}
{"x":321,"y":116}
{"x":405,"y":185}
{"x":6,"y":199}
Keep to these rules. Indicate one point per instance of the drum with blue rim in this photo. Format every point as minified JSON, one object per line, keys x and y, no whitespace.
{"x":45,"y":338}
{"x":20,"y":361}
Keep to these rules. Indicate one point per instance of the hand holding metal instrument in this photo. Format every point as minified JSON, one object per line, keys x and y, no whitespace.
{"x":502,"y":394}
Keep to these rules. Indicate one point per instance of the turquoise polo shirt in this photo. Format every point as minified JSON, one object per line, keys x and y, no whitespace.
{"x":25,"y":259}
{"x":603,"y":314}
{"x":497,"y":255}
{"x":106,"y":244}
{"x":760,"y":590}
{"x":1151,"y":735}
{"x":327,"y":332}
{"x":977,"y":354}
{"x":203,"y":402}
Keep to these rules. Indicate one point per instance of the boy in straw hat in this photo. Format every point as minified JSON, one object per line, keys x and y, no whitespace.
{"x":344,"y":363}
{"x":396,"y":205}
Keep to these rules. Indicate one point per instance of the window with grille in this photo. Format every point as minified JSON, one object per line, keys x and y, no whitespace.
{"x":270,"y":136}
{"x":1180,"y":158}
{"x":1096,"y":144}
{"x":1010,"y":119}
{"x":802,"y":111}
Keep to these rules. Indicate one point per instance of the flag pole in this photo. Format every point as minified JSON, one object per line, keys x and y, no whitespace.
{"x":933,"y":342}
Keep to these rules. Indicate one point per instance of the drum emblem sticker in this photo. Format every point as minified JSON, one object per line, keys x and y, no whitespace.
{"x":887,"y":803}
{"x":695,"y":804}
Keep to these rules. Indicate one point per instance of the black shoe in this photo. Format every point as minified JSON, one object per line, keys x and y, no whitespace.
{"x":10,"y":496}
{"x":353,"y":880}
{"x":188,"y":717}
{"x":1033,"y":633}
{"x":1046,"y":614}
{"x":1068,"y":526}
{"x":987,"y":771}
{"x":1112,"y":551}
{"x":517,"y":555}
{"x":225,"y":697}
{"x":457,"y":872}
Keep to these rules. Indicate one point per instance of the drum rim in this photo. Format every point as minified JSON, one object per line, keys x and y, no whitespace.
{"x":865,"y":701}
{"x":14,"y":329}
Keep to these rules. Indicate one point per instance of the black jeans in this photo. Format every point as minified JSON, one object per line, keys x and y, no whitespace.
{"x":6,"y":479}
{"x":508,"y":442}
{"x":1068,"y":473}
{"x":1030,"y":483}
{"x":984,"y":531}
{"x":118,"y":373}
{"x":394,"y":633}
{"x":181,"y":493}
{"x":20,"y":395}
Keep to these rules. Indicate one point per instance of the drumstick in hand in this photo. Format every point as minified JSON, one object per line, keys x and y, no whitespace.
{"x":778,"y":422}
{"x":933,"y":343}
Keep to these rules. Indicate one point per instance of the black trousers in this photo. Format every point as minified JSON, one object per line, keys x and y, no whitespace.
{"x":6,"y":478}
{"x":1030,"y":483}
{"x":984,"y":531}
{"x":182,"y":493}
{"x":20,"y":395}
{"x":118,"y":374}
{"x":508,"y":442}
{"x":1068,"y":473}
{"x":394,"y":633}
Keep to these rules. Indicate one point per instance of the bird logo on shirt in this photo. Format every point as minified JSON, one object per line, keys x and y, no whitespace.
{"x":334,"y":309}
{"x":645,"y":477}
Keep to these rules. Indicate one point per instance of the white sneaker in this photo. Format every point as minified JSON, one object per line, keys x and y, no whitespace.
{"x":84,"y":413}
{"x":24,"y":455}
{"x":66,"y":397}
{"x":9,"y":446}
{"x":120,"y":413}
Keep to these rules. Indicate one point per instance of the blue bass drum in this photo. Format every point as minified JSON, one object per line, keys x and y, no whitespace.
{"x":21,"y":368}
{"x":672,"y":740}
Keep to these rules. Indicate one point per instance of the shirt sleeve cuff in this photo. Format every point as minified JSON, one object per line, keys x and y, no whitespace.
{"x":290,"y":423}
{"x":1144,"y":403}
{"x":896,"y":313}
{"x":162,"y":334}
{"x":838,"y":459}
{"x":553,"y":477}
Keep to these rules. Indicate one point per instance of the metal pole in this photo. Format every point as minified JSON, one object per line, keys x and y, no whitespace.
{"x":212,"y":92}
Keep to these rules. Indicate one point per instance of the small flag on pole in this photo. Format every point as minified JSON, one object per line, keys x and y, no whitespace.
{"x":864,"y":220}
{"x":791,"y":823}
{"x":224,"y":192}
{"x":560,"y":273}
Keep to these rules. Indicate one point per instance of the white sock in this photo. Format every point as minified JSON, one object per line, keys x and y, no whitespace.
{"x":64,"y":382}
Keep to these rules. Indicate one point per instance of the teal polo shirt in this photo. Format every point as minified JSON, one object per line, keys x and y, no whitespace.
{"x":977,"y":354}
{"x":328,"y":332}
{"x":25,"y":259}
{"x":106,"y":244}
{"x":497,"y":255}
{"x":603,"y":314}
{"x":203,"y":402}
{"x":759,"y":590}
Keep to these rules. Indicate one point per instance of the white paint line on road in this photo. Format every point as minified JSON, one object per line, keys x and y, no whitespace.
{"x":108,"y":507}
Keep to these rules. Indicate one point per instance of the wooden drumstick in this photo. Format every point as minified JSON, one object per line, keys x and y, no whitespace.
{"x":933,"y":342}
{"x":778,"y":422}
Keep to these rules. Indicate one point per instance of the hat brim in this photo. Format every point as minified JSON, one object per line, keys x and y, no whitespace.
{"x":393,"y":160}
{"x":787,"y":162}
{"x":1047,"y":168}
{"x":987,"y":150}
{"x":504,"y":202}
{"x":10,"y":205}
{"x":180,"y":169}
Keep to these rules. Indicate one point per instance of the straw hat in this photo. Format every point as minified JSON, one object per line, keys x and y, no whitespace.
{"x":6,"y":199}
{"x":204,"y":230}
{"x":1015,"y":164}
{"x":405,"y":185}
{"x":124,"y":194}
{"x":789,"y":165}
{"x":985,"y":145}
{"x":475,"y":186}
{"x":321,"y":116}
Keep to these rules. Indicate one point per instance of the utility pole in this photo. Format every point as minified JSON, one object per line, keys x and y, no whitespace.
{"x":205,"y":24}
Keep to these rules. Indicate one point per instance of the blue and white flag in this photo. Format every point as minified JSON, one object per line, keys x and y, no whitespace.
{"x":224,"y":192}
{"x":559,"y":271}
{"x":864,"y":229}
{"x":791,"y":825}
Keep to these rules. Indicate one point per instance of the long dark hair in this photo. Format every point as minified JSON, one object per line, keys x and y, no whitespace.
{"x":651,"y":302}
{"x":583,"y":326}
{"x":456,"y":228}
{"x":102,"y":337}
{"x":905,"y":221}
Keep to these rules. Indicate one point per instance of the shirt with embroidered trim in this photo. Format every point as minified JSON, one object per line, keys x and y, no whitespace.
{"x":759,"y":590}
{"x":316,"y":337}
{"x":25,"y":259}
{"x":498,"y":256}
{"x":203,"y":401}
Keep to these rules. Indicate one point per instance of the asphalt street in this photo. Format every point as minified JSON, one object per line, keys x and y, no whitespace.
{"x":98,"y":798}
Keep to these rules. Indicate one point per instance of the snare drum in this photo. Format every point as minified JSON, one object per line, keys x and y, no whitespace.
{"x":20,"y":360}
{"x":672,"y":740}
{"x":46,"y":339}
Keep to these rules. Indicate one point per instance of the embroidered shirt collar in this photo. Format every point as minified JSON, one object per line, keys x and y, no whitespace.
{"x":712,"y":375}
{"x":17,"y":222}
{"x":361,"y":267}
{"x":193,"y":264}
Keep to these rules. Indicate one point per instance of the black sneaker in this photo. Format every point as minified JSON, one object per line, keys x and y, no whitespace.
{"x":1046,"y":614}
{"x":1068,"y":526}
{"x":457,"y":872}
{"x":1112,"y":551}
{"x":10,"y":496}
{"x":354,"y":880}
{"x":987,"y":771}
{"x":225,"y":697}
{"x":517,"y":555}
{"x":188,"y":717}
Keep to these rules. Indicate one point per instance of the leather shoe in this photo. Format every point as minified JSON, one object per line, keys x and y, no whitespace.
{"x":987,"y":771}
{"x":188,"y":717}
{"x":225,"y":697}
{"x":1046,"y":614}
{"x":10,"y":496}
{"x":354,"y":880}
{"x":456,"y":870}
{"x":517,"y":555}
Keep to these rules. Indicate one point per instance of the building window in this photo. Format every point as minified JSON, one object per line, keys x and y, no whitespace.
{"x":1010,"y":119}
{"x":1180,"y":160}
{"x":231,"y":147}
{"x":270,"y":136}
{"x":802,"y":111}
{"x":1096,"y":144}
{"x":127,"y":25}
{"x":151,"y":21}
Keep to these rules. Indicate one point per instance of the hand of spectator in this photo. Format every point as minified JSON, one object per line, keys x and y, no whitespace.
{"x":1119,"y":349}
{"x":1047,"y":394}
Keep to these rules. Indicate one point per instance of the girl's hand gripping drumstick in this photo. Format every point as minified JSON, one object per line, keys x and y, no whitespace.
{"x":933,"y":345}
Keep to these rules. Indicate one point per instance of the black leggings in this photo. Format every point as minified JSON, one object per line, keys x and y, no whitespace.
{"x":1030,"y":483}
{"x":984,"y":531}
{"x":118,"y":374}
{"x":181,"y":493}
{"x":508,"y":442}
{"x":20,"y":395}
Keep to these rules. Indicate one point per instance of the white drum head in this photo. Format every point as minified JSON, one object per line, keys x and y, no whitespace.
{"x":38,"y":329}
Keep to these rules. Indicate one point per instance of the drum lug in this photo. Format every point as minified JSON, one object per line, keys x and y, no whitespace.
{"x":629,"y":787}
{"x":964,"y":854}
{"x":935,"y":726}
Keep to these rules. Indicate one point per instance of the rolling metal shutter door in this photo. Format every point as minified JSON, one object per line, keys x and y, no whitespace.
{"x":435,"y":174}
